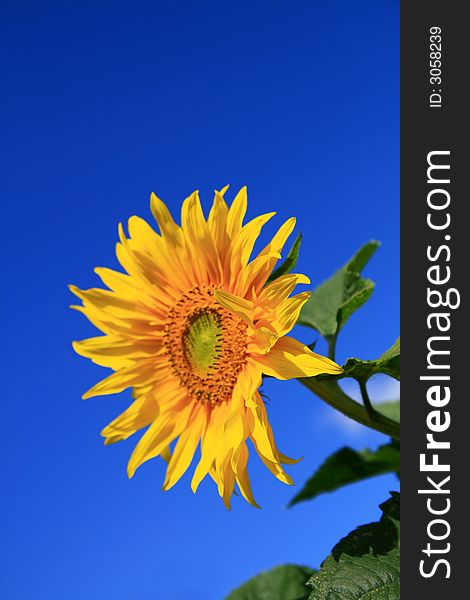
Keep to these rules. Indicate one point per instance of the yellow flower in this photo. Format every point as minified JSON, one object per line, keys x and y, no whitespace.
{"x":191,"y":328}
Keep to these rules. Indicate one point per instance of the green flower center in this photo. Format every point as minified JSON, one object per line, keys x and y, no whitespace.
{"x":202,"y":341}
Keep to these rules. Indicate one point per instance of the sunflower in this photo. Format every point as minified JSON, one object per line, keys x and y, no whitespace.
{"x":191,"y":327}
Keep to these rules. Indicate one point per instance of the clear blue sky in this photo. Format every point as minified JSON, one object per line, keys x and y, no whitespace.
{"x":102,"y":103}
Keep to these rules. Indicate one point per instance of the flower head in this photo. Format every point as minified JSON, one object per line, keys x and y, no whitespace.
{"x":191,"y":327}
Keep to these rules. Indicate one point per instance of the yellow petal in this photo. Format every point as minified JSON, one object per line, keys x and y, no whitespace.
{"x":280,"y":289}
{"x":223,"y":191}
{"x":280,"y":238}
{"x":153,"y":260}
{"x":263,"y":440}
{"x":274,"y":247}
{"x":128,"y":288}
{"x":159,"y":435}
{"x":248,"y":382}
{"x":143,"y":411}
{"x":277,"y":470}
{"x":262,"y":340}
{"x":239,"y":463}
{"x":210,"y":444}
{"x":226,"y":489}
{"x":250,"y":272}
{"x":201,"y":243}
{"x":144,"y":238}
{"x":138,"y":263}
{"x":107,"y":351}
{"x":241,"y":307}
{"x":186,"y":446}
{"x":290,"y":359}
{"x":138,"y":374}
{"x":260,"y":432}
{"x":242,"y":245}
{"x":165,"y":221}
{"x":286,"y":460}
{"x":113,"y":351}
{"x":166,"y":454}
{"x":112,"y":304}
{"x":288,"y":313}
{"x":237,"y":213}
{"x":217,"y":223}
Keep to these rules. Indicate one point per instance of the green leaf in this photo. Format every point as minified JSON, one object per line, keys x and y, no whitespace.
{"x":290,"y":261}
{"x":282,"y":583}
{"x":348,"y":466}
{"x":389,"y":409}
{"x":335,"y":300}
{"x":388,"y":363}
{"x":365,"y":565}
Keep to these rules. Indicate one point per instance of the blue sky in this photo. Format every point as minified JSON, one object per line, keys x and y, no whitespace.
{"x":102,"y":103}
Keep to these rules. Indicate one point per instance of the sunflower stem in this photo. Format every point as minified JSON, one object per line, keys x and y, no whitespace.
{"x":331,"y":339}
{"x":373,"y":414}
{"x":331,"y":393}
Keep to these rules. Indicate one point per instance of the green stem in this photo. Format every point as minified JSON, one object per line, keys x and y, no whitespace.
{"x":332,"y":394}
{"x":367,"y":403}
{"x":332,"y":346}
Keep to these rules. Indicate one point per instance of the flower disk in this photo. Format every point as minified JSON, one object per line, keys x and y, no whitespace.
{"x":206,"y":345}
{"x":191,"y":327}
